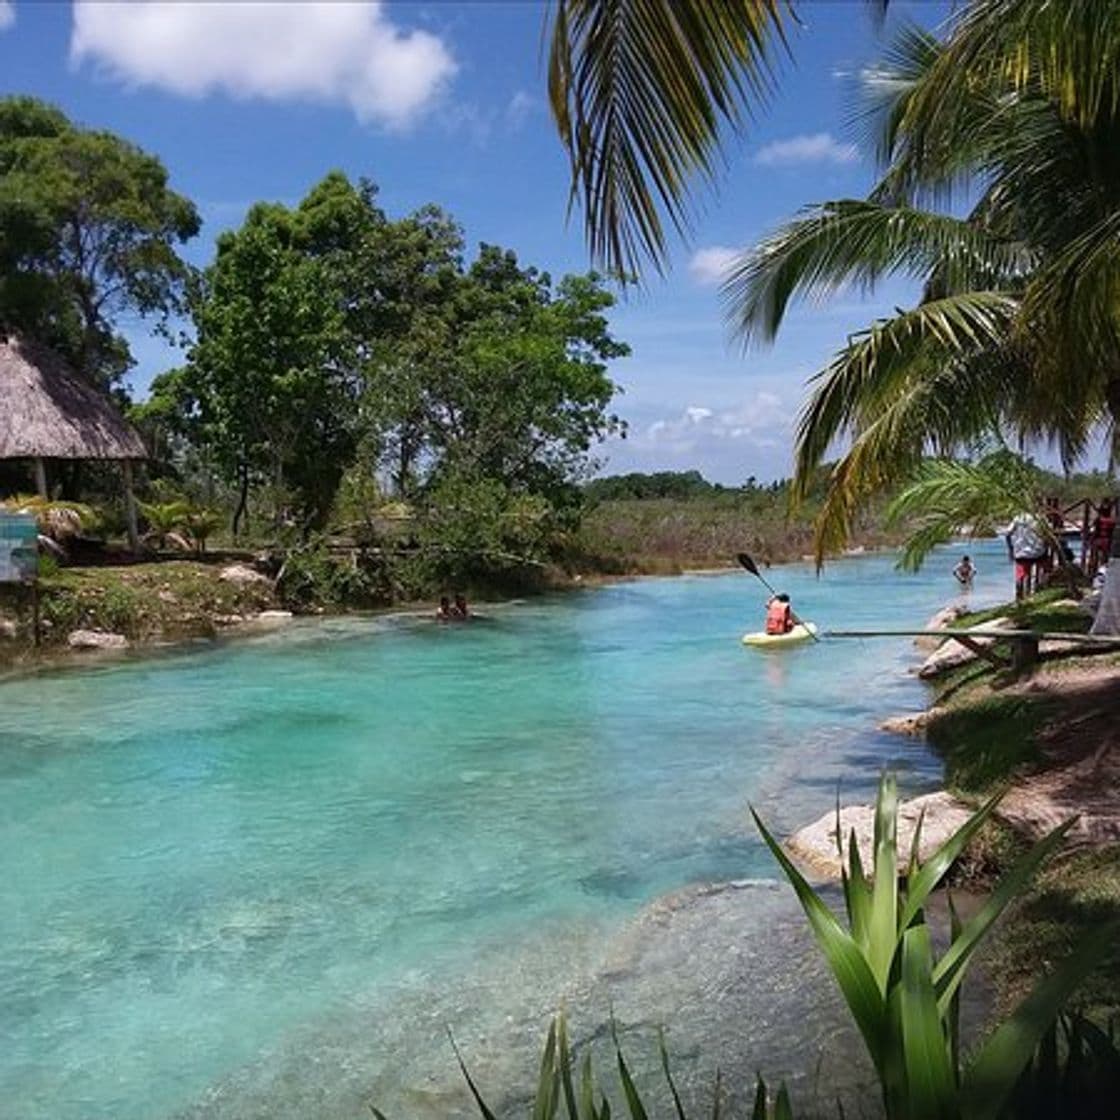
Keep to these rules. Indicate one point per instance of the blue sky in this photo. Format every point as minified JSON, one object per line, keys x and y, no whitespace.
{"x":445,"y":102}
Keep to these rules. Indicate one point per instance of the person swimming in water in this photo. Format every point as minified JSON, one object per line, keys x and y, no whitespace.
{"x":965,"y":571}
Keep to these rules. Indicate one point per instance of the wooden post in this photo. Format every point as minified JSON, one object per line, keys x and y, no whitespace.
{"x":130,"y":506}
{"x":41,"y":477}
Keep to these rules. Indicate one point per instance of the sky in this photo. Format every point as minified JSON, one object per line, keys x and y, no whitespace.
{"x":445,"y":102}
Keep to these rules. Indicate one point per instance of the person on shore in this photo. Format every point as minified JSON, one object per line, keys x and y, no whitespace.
{"x":1104,"y":526}
{"x":779,"y":614}
{"x":1026,"y":547}
{"x":965,"y":571}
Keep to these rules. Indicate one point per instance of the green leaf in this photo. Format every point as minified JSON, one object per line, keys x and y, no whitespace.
{"x":883,"y":920}
{"x":857,"y":982}
{"x":992,"y":1074}
{"x":629,"y":1090}
{"x":934,"y":869}
{"x":565,"y":1054}
{"x":931,"y":1087}
{"x":482,"y":1106}
{"x":952,"y":966}
{"x":544,"y":1107}
{"x":669,"y":1075}
{"x":783,"y":1110}
{"x":759,"y":1110}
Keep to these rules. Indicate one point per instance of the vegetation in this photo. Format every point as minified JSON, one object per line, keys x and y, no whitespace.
{"x":88,"y":232}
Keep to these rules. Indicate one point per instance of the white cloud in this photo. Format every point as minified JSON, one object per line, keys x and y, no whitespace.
{"x":820,"y":147}
{"x":7,"y":14}
{"x":338,"y":53}
{"x":712,"y":265}
{"x":764,"y":421}
{"x":520,"y":106}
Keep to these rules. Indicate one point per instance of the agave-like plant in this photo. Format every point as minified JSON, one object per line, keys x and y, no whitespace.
{"x":165,"y":519}
{"x":560,"y":1092}
{"x":903,"y":997}
{"x":58,"y":521}
{"x":201,"y":524}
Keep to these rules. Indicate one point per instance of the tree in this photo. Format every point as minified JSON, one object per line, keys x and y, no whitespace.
{"x":1017,"y":330}
{"x":88,"y":232}
{"x":269,"y":387}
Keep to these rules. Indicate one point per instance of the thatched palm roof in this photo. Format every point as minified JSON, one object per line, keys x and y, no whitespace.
{"x":47,"y":412}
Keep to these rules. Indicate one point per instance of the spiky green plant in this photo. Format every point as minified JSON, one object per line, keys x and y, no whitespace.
{"x":559,"y":1094}
{"x":58,"y":521}
{"x":201,"y":524}
{"x":904,"y":999}
{"x":165,"y":520}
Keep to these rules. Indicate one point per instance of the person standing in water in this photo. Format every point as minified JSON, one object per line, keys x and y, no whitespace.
{"x":779,"y":615}
{"x":965,"y":571}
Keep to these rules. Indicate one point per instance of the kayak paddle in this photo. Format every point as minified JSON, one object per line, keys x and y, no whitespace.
{"x":745,"y":560}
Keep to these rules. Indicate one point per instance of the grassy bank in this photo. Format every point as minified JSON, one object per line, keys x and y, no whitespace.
{"x":994,"y":732}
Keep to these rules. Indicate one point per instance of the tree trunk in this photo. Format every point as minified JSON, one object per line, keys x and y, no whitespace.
{"x":130,"y":507}
{"x":242,"y":498}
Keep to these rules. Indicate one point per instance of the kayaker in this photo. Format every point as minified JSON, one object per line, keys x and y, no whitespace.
{"x":965,"y":571}
{"x":779,"y":615}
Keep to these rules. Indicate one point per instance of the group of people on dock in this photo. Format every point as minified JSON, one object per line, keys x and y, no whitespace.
{"x":1037,"y":552}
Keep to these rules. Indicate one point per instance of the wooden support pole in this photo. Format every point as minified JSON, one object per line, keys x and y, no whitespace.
{"x":41,"y":477}
{"x":130,"y":506}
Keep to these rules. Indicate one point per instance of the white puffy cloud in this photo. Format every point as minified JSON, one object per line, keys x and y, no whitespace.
{"x":764,"y":421}
{"x":712,"y":265}
{"x":820,"y":147}
{"x":343,"y":53}
{"x":521,"y":106}
{"x":7,"y":14}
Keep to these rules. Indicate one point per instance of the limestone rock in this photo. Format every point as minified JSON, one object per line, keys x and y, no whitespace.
{"x":940,"y":621}
{"x":96,"y":639}
{"x":913,"y":724}
{"x":240,"y":574}
{"x":951,"y":654}
{"x":815,"y":845}
{"x":9,"y":628}
{"x":273,"y":616}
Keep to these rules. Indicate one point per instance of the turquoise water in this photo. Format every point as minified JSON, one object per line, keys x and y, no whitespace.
{"x":210,"y":856}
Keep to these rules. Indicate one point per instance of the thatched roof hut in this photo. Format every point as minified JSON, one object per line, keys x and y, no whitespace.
{"x":46,"y":412}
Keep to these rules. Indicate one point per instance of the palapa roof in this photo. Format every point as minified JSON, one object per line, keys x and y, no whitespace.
{"x":47,"y":412}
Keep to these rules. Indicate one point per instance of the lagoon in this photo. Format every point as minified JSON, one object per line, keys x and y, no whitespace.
{"x":258,"y":878}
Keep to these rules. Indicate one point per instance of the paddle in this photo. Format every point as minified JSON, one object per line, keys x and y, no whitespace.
{"x":752,"y":567}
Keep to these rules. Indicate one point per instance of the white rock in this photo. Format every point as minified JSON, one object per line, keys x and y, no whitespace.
{"x":940,"y":621}
{"x":952,"y":653}
{"x":815,"y":845}
{"x":914,"y":724}
{"x":9,"y":628}
{"x":274,"y":616}
{"x":96,"y":639}
{"x":239,"y":573}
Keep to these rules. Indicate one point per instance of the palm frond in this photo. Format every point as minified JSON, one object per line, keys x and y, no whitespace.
{"x":643,"y":94}
{"x":851,"y":241}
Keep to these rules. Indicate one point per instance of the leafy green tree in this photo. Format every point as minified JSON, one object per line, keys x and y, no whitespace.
{"x":88,"y":232}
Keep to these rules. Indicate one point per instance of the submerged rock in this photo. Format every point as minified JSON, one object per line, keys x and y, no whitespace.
{"x":97,"y":639}
{"x":815,"y":845}
{"x":952,"y":653}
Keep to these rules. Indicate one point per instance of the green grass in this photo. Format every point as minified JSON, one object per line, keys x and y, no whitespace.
{"x":1039,"y":612}
{"x":1073,"y":895}
{"x":983,"y":741}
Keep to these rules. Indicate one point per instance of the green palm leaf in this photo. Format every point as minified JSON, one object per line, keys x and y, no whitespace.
{"x":642,"y":93}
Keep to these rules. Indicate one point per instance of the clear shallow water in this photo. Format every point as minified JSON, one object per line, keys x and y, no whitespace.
{"x":209,"y":858}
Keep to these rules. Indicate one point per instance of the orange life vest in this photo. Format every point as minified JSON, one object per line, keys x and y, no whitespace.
{"x":778,"y":619}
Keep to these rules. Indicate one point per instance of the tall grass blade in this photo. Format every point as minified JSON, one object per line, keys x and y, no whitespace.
{"x":991,"y":1076}
{"x":629,"y":1090}
{"x":783,"y":1110}
{"x":859,"y":905}
{"x":950,"y":970}
{"x":931,"y":1087}
{"x":565,"y":1056}
{"x":544,"y":1107}
{"x":669,"y":1076}
{"x":484,"y":1111}
{"x":933,"y":870}
{"x":882,"y":932}
{"x":759,"y":1110}
{"x":857,"y":983}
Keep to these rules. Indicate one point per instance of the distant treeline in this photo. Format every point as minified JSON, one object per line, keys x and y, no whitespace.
{"x":682,"y":485}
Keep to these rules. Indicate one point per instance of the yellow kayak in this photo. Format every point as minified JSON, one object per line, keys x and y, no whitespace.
{"x":802,"y":632}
